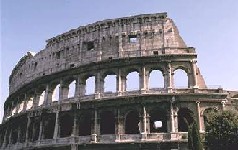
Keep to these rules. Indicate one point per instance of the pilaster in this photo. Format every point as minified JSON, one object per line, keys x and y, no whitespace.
{"x":144,"y":78}
{"x":199,"y":116}
{"x":56,"y":130}
{"x":80,"y":87}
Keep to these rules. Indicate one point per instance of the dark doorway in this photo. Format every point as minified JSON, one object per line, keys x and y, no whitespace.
{"x":158,"y":114}
{"x":85,"y":123}
{"x":132,"y":123}
{"x":185,"y":118}
{"x":107,"y":123}
{"x":66,"y":124}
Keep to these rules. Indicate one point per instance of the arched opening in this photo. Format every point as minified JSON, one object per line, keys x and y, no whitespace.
{"x":23,"y":126}
{"x":185,"y":118}
{"x":158,"y":115}
{"x":156,"y":79}
{"x":48,"y":125}
{"x":132,"y":81}
{"x":66,"y":124}
{"x":132,"y":123}
{"x":110,"y":83}
{"x":42,"y":98}
{"x":55,"y":95}
{"x":107,"y":123}
{"x":14,"y":135}
{"x":90,"y":85}
{"x":21,"y":106}
{"x":71,"y":89}
{"x":85,"y":122}
{"x":34,"y":129}
{"x":180,"y":79}
{"x":29,"y":103}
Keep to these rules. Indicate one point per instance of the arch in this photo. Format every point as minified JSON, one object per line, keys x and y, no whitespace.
{"x":185,"y":118}
{"x":14,"y":134}
{"x":85,"y":122}
{"x":66,"y":124}
{"x":42,"y":98}
{"x":107,"y":122}
{"x":132,"y":81}
{"x":23,"y":128}
{"x":180,"y":78}
{"x":48,"y":125}
{"x":21,"y":106}
{"x":34,"y":129}
{"x":158,"y":114}
{"x":132,"y":123}
{"x":55,"y":95}
{"x":156,"y":79}
{"x":29,"y":103}
{"x":72,"y":88}
{"x":110,"y":83}
{"x":13,"y":111}
{"x":90,"y":85}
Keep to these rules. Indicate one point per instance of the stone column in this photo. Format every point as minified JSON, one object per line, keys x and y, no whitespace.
{"x":10,"y":137}
{"x":99,"y":85}
{"x":63,"y":90}
{"x":119,"y":125}
{"x":18,"y":134}
{"x":40,"y":130}
{"x":199,"y":116}
{"x":144,"y":125}
{"x":95,"y":127}
{"x":5,"y":138}
{"x":194,"y":74}
{"x":120,"y":42}
{"x":172,"y":128}
{"x":25,"y":105}
{"x":56,"y":130}
{"x":146,"y":119}
{"x":17,"y":108}
{"x":80,"y":87}
{"x":144,"y":78}
{"x":121,"y":83}
{"x":169,"y":78}
{"x":75,"y":127}
{"x":176,"y":119}
{"x":28,"y":128}
{"x":48,"y":95}
{"x":36,"y":99}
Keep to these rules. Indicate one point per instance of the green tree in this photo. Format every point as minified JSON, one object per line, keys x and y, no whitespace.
{"x":194,"y":139}
{"x":222,"y":130}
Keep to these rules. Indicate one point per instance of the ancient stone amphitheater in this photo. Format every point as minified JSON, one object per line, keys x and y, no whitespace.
{"x":36,"y":116}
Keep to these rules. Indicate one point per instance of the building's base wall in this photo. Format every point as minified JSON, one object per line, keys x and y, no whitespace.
{"x":123,"y":146}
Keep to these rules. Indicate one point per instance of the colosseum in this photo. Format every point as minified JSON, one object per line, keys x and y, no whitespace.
{"x":49,"y":108}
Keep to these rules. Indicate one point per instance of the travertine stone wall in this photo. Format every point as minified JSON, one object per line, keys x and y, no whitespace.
{"x":124,"y":37}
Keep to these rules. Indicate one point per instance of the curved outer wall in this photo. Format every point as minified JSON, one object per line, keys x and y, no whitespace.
{"x":143,"y":43}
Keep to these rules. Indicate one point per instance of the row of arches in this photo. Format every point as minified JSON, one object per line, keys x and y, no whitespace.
{"x":156,"y":80}
{"x":109,"y":84}
{"x":71,"y":123}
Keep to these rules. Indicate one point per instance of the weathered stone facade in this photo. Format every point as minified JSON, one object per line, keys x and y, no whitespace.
{"x":108,"y":120}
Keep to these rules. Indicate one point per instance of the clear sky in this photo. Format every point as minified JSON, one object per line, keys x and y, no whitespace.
{"x":211,"y":26}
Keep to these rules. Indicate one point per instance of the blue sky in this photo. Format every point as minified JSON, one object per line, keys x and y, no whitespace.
{"x":209,"y":26}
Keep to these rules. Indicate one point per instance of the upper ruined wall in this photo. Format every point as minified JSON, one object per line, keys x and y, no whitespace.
{"x":135,"y":36}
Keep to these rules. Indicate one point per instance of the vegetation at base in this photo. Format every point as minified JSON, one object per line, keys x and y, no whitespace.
{"x":222,"y":130}
{"x":194,"y":139}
